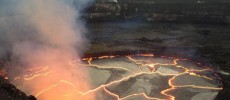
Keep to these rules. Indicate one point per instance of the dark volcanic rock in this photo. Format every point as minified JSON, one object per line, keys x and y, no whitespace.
{"x":10,"y":92}
{"x":181,"y":11}
{"x":224,"y":94}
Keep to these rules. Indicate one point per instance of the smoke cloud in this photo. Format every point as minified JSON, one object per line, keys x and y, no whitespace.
{"x":46,"y":32}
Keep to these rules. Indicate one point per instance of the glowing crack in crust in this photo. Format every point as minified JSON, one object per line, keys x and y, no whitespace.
{"x":172,"y":69}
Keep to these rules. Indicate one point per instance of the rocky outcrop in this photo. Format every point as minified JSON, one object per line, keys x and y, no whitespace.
{"x":10,"y":92}
{"x":225,"y":93}
{"x":190,"y":12}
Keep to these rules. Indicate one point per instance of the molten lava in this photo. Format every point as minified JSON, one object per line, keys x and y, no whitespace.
{"x":59,"y":87}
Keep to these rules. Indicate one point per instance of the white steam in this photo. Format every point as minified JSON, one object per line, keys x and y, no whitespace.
{"x":44,"y":32}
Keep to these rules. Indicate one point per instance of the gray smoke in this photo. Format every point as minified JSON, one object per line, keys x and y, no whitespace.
{"x":43,"y":32}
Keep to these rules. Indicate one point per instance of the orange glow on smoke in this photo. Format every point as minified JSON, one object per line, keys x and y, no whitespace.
{"x":53,"y":83}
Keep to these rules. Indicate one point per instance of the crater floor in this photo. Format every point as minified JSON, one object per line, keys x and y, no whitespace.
{"x":137,"y":77}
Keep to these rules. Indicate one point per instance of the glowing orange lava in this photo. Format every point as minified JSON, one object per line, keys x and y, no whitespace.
{"x":68,"y":90}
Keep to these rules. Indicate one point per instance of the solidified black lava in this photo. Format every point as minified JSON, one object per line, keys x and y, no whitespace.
{"x":10,"y":92}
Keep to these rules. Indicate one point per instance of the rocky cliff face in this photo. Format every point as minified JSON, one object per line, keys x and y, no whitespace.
{"x":10,"y":92}
{"x":198,"y":11}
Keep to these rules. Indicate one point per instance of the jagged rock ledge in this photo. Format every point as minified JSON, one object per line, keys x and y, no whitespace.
{"x":10,"y":92}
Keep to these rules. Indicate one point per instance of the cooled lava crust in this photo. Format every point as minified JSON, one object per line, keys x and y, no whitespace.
{"x":137,"y":77}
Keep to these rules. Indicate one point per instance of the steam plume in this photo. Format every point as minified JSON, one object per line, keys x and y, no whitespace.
{"x":45,"y":32}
